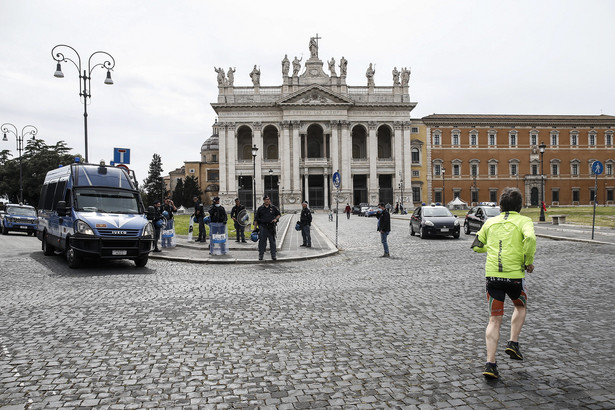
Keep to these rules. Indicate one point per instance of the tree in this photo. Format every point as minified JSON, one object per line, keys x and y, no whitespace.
{"x":38,"y":158}
{"x":153,"y":185}
{"x":178,"y":194}
{"x":191,"y":189}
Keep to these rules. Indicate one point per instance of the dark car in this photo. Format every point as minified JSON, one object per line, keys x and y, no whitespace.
{"x":476,"y":217}
{"x":434,"y":220}
{"x":356,"y":210}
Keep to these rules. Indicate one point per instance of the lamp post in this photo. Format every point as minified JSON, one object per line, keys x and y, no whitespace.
{"x":443,"y":188}
{"x":541,"y":148}
{"x":475,"y":191}
{"x":32,"y":130}
{"x":401,"y":187}
{"x":271,"y":185}
{"x":85,"y":77}
{"x":254,"y":151}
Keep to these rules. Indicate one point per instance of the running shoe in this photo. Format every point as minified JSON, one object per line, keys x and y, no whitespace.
{"x":512,"y":349}
{"x":491,"y":371}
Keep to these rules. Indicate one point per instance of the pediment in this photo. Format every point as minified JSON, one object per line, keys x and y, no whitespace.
{"x":315,"y":95}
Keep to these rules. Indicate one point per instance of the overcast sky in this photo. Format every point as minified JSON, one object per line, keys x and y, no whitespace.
{"x":480,"y":57}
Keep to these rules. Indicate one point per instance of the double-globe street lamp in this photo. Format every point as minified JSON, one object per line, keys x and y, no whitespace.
{"x":85,"y":77}
{"x":32,"y":130}
{"x":541,"y":149}
{"x":254,"y":151}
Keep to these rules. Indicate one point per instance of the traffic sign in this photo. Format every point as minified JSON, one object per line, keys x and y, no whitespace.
{"x":121,"y":155}
{"x":122,"y":166}
{"x":337,"y":179}
{"x":597,"y":167}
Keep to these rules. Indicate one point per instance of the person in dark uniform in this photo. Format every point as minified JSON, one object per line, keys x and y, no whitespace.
{"x":199,"y":214}
{"x":239,"y":228}
{"x":217,"y":212}
{"x":170,"y":208}
{"x":384,"y":227}
{"x":157,"y":217}
{"x":265,"y":219}
{"x":306,"y":221}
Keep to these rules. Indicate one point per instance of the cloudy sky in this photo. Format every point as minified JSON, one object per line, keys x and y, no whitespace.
{"x":482,"y":57}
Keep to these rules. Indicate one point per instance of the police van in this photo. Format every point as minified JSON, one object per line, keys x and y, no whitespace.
{"x":93,"y":211}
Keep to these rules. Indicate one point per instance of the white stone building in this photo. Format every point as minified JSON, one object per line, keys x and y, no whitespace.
{"x":311,"y":126}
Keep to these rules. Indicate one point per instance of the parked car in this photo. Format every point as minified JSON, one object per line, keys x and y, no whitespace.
{"x":356,"y":210}
{"x":372,"y":211}
{"x":364,"y":208}
{"x":18,"y":218}
{"x":434,"y":220}
{"x":476,"y":217}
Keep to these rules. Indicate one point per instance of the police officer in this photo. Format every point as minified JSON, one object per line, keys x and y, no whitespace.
{"x":157,"y":217}
{"x":170,"y":208}
{"x":217,"y":212}
{"x":199,"y":214}
{"x":306,"y":221}
{"x":265,"y":219}
{"x":239,"y":228}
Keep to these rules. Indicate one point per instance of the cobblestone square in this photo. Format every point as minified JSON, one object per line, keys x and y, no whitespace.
{"x":347,"y":331}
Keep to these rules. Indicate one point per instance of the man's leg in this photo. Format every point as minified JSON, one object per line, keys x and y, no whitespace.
{"x":272,"y":244}
{"x":308,"y":235}
{"x":492,"y":336}
{"x":262,"y":242}
{"x":516,"y":322}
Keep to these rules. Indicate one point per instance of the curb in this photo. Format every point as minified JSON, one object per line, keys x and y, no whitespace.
{"x":566,"y":238}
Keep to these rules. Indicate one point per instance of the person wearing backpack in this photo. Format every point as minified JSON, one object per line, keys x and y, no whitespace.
{"x":510,"y":243}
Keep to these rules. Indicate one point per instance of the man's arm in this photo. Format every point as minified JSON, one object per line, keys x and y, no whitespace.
{"x":529,"y":242}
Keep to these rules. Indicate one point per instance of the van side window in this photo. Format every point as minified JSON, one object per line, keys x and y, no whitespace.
{"x":59,"y":194}
{"x":68,"y":199}
{"x":41,"y":200}
{"x":51,"y":190}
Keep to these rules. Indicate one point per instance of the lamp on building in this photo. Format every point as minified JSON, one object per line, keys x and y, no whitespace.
{"x":443,"y":187}
{"x":32,"y":130}
{"x":254,"y":151}
{"x":542,"y":148}
{"x":86,"y":77}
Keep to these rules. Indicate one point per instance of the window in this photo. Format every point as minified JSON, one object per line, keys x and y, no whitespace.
{"x":456,"y":193}
{"x":575,"y":195}
{"x":191,"y":170}
{"x":212,"y":175}
{"x":555,"y":195}
{"x":436,"y":138}
{"x":554,"y":138}
{"x":513,"y":169}
{"x":473,"y":138}
{"x":492,"y":139}
{"x":416,"y":194}
{"x":608,"y":169}
{"x":534,"y":169}
{"x":534,"y":138}
{"x":493,"y":170}
{"x":574,"y":170}
{"x":475,"y":195}
{"x":554,"y":169}
{"x":609,"y":194}
{"x":416,"y":174}
{"x":592,"y":139}
{"x":456,"y":170}
{"x":574,"y":139}
{"x":474,"y":170}
{"x":437,"y":196}
{"x":416,"y":156}
{"x":592,"y":195}
{"x":437,"y":169}
{"x":214,"y":158}
{"x":608,"y":139}
{"x":493,"y":195}
{"x":455,"y":139}
{"x":415,"y":130}
{"x":512,"y":138}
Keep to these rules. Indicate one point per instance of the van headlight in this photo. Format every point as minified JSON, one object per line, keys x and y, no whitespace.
{"x":148,"y":230}
{"x":83,"y":228}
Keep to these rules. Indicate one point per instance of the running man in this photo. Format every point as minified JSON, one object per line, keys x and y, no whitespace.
{"x":510,"y":244}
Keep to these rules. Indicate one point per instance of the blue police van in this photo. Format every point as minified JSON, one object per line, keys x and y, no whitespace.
{"x":93,"y":211}
{"x":18,"y":218}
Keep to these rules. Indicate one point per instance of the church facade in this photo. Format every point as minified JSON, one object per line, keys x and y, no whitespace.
{"x":286,"y":141}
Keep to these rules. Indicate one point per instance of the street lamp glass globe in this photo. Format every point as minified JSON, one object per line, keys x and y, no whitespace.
{"x":108,"y":80}
{"x":58,"y":73}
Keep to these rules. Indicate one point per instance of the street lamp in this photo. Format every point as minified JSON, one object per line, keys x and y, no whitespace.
{"x":32,"y":130}
{"x":271,"y":185}
{"x":86,"y":77}
{"x":443,"y":188}
{"x":475,"y":190}
{"x":541,"y":148}
{"x":401,"y":187}
{"x":254,"y":151}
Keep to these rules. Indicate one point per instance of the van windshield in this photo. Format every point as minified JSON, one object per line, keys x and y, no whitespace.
{"x":105,"y":200}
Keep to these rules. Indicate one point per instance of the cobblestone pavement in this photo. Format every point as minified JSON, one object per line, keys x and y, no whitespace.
{"x":348,"y":331}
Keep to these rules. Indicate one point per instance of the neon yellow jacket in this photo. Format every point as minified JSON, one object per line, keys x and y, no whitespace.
{"x":510,"y":243}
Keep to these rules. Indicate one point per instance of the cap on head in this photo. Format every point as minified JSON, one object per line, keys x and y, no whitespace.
{"x":216,"y":198}
{"x":236,"y":199}
{"x":305,"y":202}
{"x":266,"y":197}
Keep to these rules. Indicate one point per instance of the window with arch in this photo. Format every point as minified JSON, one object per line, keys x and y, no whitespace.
{"x":574,"y":168}
{"x":437,"y":168}
{"x":493,"y":138}
{"x":555,"y":167}
{"x":473,"y":138}
{"x":244,"y":143}
{"x":512,"y":138}
{"x":456,"y":172}
{"x":574,"y":139}
{"x":608,"y":138}
{"x":514,"y":167}
{"x":270,"y":143}
{"x":437,"y":137}
{"x":592,"y":139}
{"x":493,"y":168}
{"x":554,"y":138}
{"x":534,"y":138}
{"x":384,"y":142}
{"x":455,"y":137}
{"x":416,"y":155}
{"x":359,"y":142}
{"x":608,"y":167}
{"x":474,"y":169}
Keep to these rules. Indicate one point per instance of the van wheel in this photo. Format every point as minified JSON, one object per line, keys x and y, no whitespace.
{"x":48,"y":250}
{"x":72,"y":257}
{"x":141,"y":261}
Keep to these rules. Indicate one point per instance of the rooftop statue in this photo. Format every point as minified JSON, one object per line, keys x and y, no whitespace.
{"x":255,"y":75}
{"x":395,"y":76}
{"x":296,"y":66}
{"x":285,"y":65}
{"x":405,"y":76}
{"x":343,"y":66}
{"x":314,"y":46}
{"x":370,"y":75}
{"x":231,"y":76}
{"x":332,"y":67}
{"x":221,"y":76}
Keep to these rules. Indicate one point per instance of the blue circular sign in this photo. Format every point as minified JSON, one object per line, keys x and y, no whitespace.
{"x":336,"y":179}
{"x":597,"y":168}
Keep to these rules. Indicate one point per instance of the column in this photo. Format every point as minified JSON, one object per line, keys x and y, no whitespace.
{"x":223,"y":161}
{"x":335,"y":146}
{"x":346,"y":165}
{"x":232,"y":158}
{"x":326,"y":186}
{"x":296,"y":174}
{"x":285,"y":165}
{"x":398,"y":158}
{"x":306,"y":185}
{"x":373,"y":157}
{"x":258,"y":140}
{"x":407,"y":164}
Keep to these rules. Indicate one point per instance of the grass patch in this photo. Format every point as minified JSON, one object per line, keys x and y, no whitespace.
{"x":183,"y":221}
{"x":582,"y":215}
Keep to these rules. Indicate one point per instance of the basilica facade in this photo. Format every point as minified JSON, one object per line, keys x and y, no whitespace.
{"x":287,"y":140}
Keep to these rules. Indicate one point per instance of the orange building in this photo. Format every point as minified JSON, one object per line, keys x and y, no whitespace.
{"x":474,"y":157}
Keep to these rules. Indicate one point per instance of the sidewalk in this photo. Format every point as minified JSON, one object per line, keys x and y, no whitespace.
{"x":288,"y":247}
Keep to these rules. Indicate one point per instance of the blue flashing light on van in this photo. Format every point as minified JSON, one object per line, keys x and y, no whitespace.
{"x":93,"y":211}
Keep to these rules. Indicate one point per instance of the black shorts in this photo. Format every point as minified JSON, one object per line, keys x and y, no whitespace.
{"x":498,"y":288}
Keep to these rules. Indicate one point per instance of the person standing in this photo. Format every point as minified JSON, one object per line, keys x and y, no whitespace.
{"x":266,"y":217}
{"x":348,"y":209}
{"x":169,"y":208}
{"x":199,"y":214}
{"x":384,"y":227}
{"x":306,"y":221}
{"x":158,"y":220}
{"x":217,"y":215}
{"x":239,"y":228}
{"x":510,"y":243}
{"x":216,"y":212}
